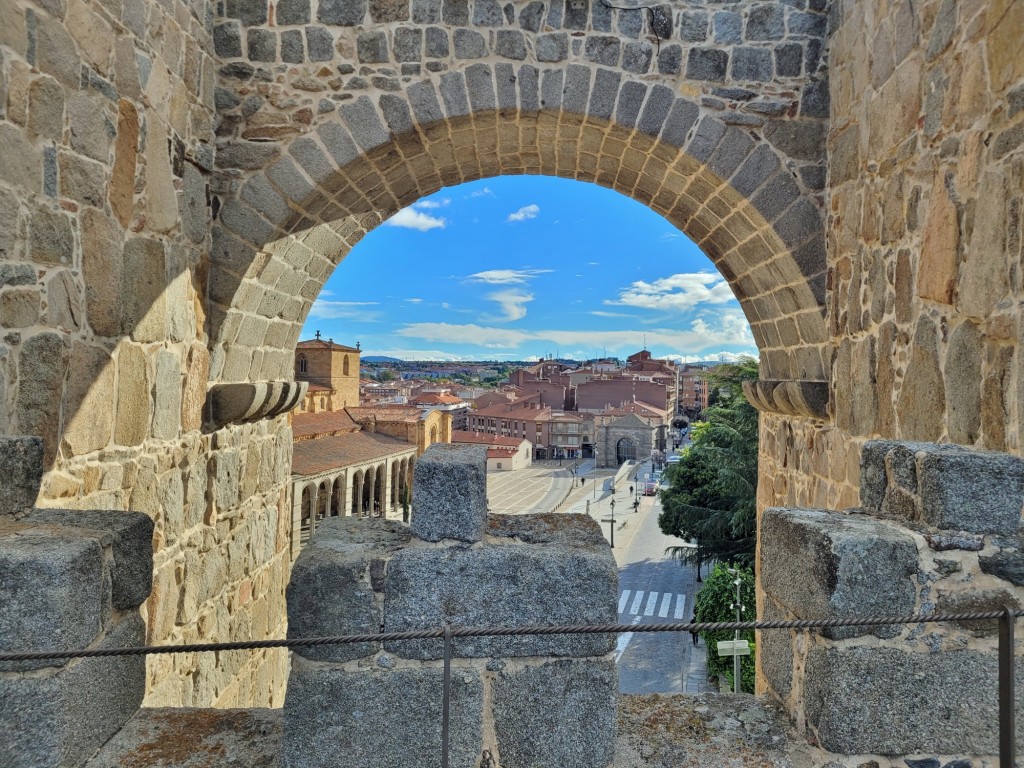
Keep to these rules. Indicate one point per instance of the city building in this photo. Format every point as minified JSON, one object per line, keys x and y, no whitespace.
{"x":503,"y":453}
{"x":332,"y":371}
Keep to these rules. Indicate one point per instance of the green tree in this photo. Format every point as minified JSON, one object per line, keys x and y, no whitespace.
{"x":716,"y":602}
{"x":710,"y":500}
{"x":385,"y":375}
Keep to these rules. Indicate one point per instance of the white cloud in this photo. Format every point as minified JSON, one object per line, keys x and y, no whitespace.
{"x":344,"y":310}
{"x":414,"y":301}
{"x":602,"y":313}
{"x":721,"y":357}
{"x":410,"y":218}
{"x":671,"y":235}
{"x":469,"y":334}
{"x":711,"y":333}
{"x":680,"y":292}
{"x":593,"y":263}
{"x":506,"y":276}
{"x":485,"y":192}
{"x":512,"y":303}
{"x":444,"y":202}
{"x":526,"y":212}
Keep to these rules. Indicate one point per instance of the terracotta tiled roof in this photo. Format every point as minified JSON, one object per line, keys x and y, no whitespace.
{"x":500,"y":453}
{"x":514,"y":411}
{"x":319,"y":388}
{"x":406,"y":413}
{"x":432,"y":399}
{"x":483,"y":438}
{"x":638,"y":407}
{"x":305,"y":425}
{"x":310,"y":457}
{"x":321,"y":344}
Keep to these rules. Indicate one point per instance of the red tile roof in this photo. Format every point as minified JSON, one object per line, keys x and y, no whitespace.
{"x":483,"y":438}
{"x":321,"y":344}
{"x":306,"y":425}
{"x":405,"y":413}
{"x":310,"y":457}
{"x":433,"y":399}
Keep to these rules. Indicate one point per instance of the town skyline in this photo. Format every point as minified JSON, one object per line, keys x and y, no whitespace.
{"x":529,"y":267}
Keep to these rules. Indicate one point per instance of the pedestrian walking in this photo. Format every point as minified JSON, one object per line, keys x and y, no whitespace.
{"x":693,"y":636}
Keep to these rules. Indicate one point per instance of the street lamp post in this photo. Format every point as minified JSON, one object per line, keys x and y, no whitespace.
{"x":613,"y":524}
{"x":739,"y":610}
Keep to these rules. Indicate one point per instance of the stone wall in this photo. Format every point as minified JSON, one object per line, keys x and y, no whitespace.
{"x":106,"y":145}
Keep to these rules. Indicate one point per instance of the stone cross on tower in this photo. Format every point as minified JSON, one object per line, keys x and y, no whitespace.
{"x":317,"y":335}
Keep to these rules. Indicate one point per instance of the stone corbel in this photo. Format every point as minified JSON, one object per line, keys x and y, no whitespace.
{"x":805,"y":399}
{"x":245,"y":402}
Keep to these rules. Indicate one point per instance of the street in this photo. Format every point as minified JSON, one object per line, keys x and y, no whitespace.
{"x":653,"y":587}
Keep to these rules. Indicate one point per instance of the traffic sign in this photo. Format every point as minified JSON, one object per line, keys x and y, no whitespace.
{"x":733,"y":648}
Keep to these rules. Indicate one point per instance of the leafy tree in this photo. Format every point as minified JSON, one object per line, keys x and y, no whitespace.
{"x":385,"y":375}
{"x":715,"y":602}
{"x":711,"y":497}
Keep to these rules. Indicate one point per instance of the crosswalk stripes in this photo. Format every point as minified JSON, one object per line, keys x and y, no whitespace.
{"x":638,"y":607}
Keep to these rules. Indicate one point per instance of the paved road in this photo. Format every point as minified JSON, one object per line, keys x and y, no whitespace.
{"x":654,"y":588}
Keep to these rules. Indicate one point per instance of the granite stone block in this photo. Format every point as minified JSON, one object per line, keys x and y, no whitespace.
{"x":21,"y":458}
{"x":331,"y":591}
{"x":572,"y":703}
{"x":450,"y":488}
{"x":52,"y":590}
{"x":129,"y":535}
{"x":571,"y":580}
{"x":62,"y":717}
{"x":334,"y":718}
{"x":864,"y":700}
{"x":823,"y":564}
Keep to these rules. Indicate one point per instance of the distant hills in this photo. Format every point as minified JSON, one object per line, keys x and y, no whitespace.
{"x":380,"y":359}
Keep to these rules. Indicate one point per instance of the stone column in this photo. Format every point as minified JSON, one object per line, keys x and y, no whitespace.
{"x":70,"y":580}
{"x":521,"y":570}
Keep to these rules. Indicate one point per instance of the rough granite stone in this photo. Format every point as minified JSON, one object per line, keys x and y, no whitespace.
{"x":706,"y":64}
{"x":974,"y":491}
{"x":865,"y":700}
{"x":552,"y":47}
{"x":330,"y":592}
{"x":823,"y":564}
{"x":450,"y":488}
{"x":130,"y":538}
{"x":63,"y":717}
{"x":572,"y":703}
{"x":21,"y":458}
{"x":53,"y":590}
{"x":510,"y":585}
{"x":345,"y":13}
{"x":334,"y":718}
{"x":469,"y":44}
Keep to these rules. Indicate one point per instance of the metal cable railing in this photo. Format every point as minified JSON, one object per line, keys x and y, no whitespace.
{"x":448,"y":633}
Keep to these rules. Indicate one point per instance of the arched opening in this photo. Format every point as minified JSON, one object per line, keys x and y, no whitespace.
{"x":338,"y":497}
{"x":306,"y":515}
{"x":625,"y":450}
{"x":344,"y":366}
{"x":301,"y":365}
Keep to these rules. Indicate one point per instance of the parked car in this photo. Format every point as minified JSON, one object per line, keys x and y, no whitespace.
{"x":650,"y":488}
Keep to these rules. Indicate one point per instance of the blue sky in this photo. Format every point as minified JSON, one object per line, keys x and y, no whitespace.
{"x":521,"y":267}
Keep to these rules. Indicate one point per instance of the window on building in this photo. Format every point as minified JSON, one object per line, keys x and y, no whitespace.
{"x":499,"y":465}
{"x":344,"y":366}
{"x":302,"y":364}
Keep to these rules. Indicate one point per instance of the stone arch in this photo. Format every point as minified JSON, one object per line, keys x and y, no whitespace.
{"x":357,"y":493}
{"x":301,"y":364}
{"x":625,"y":450}
{"x":338,"y":496}
{"x":724,"y":185}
